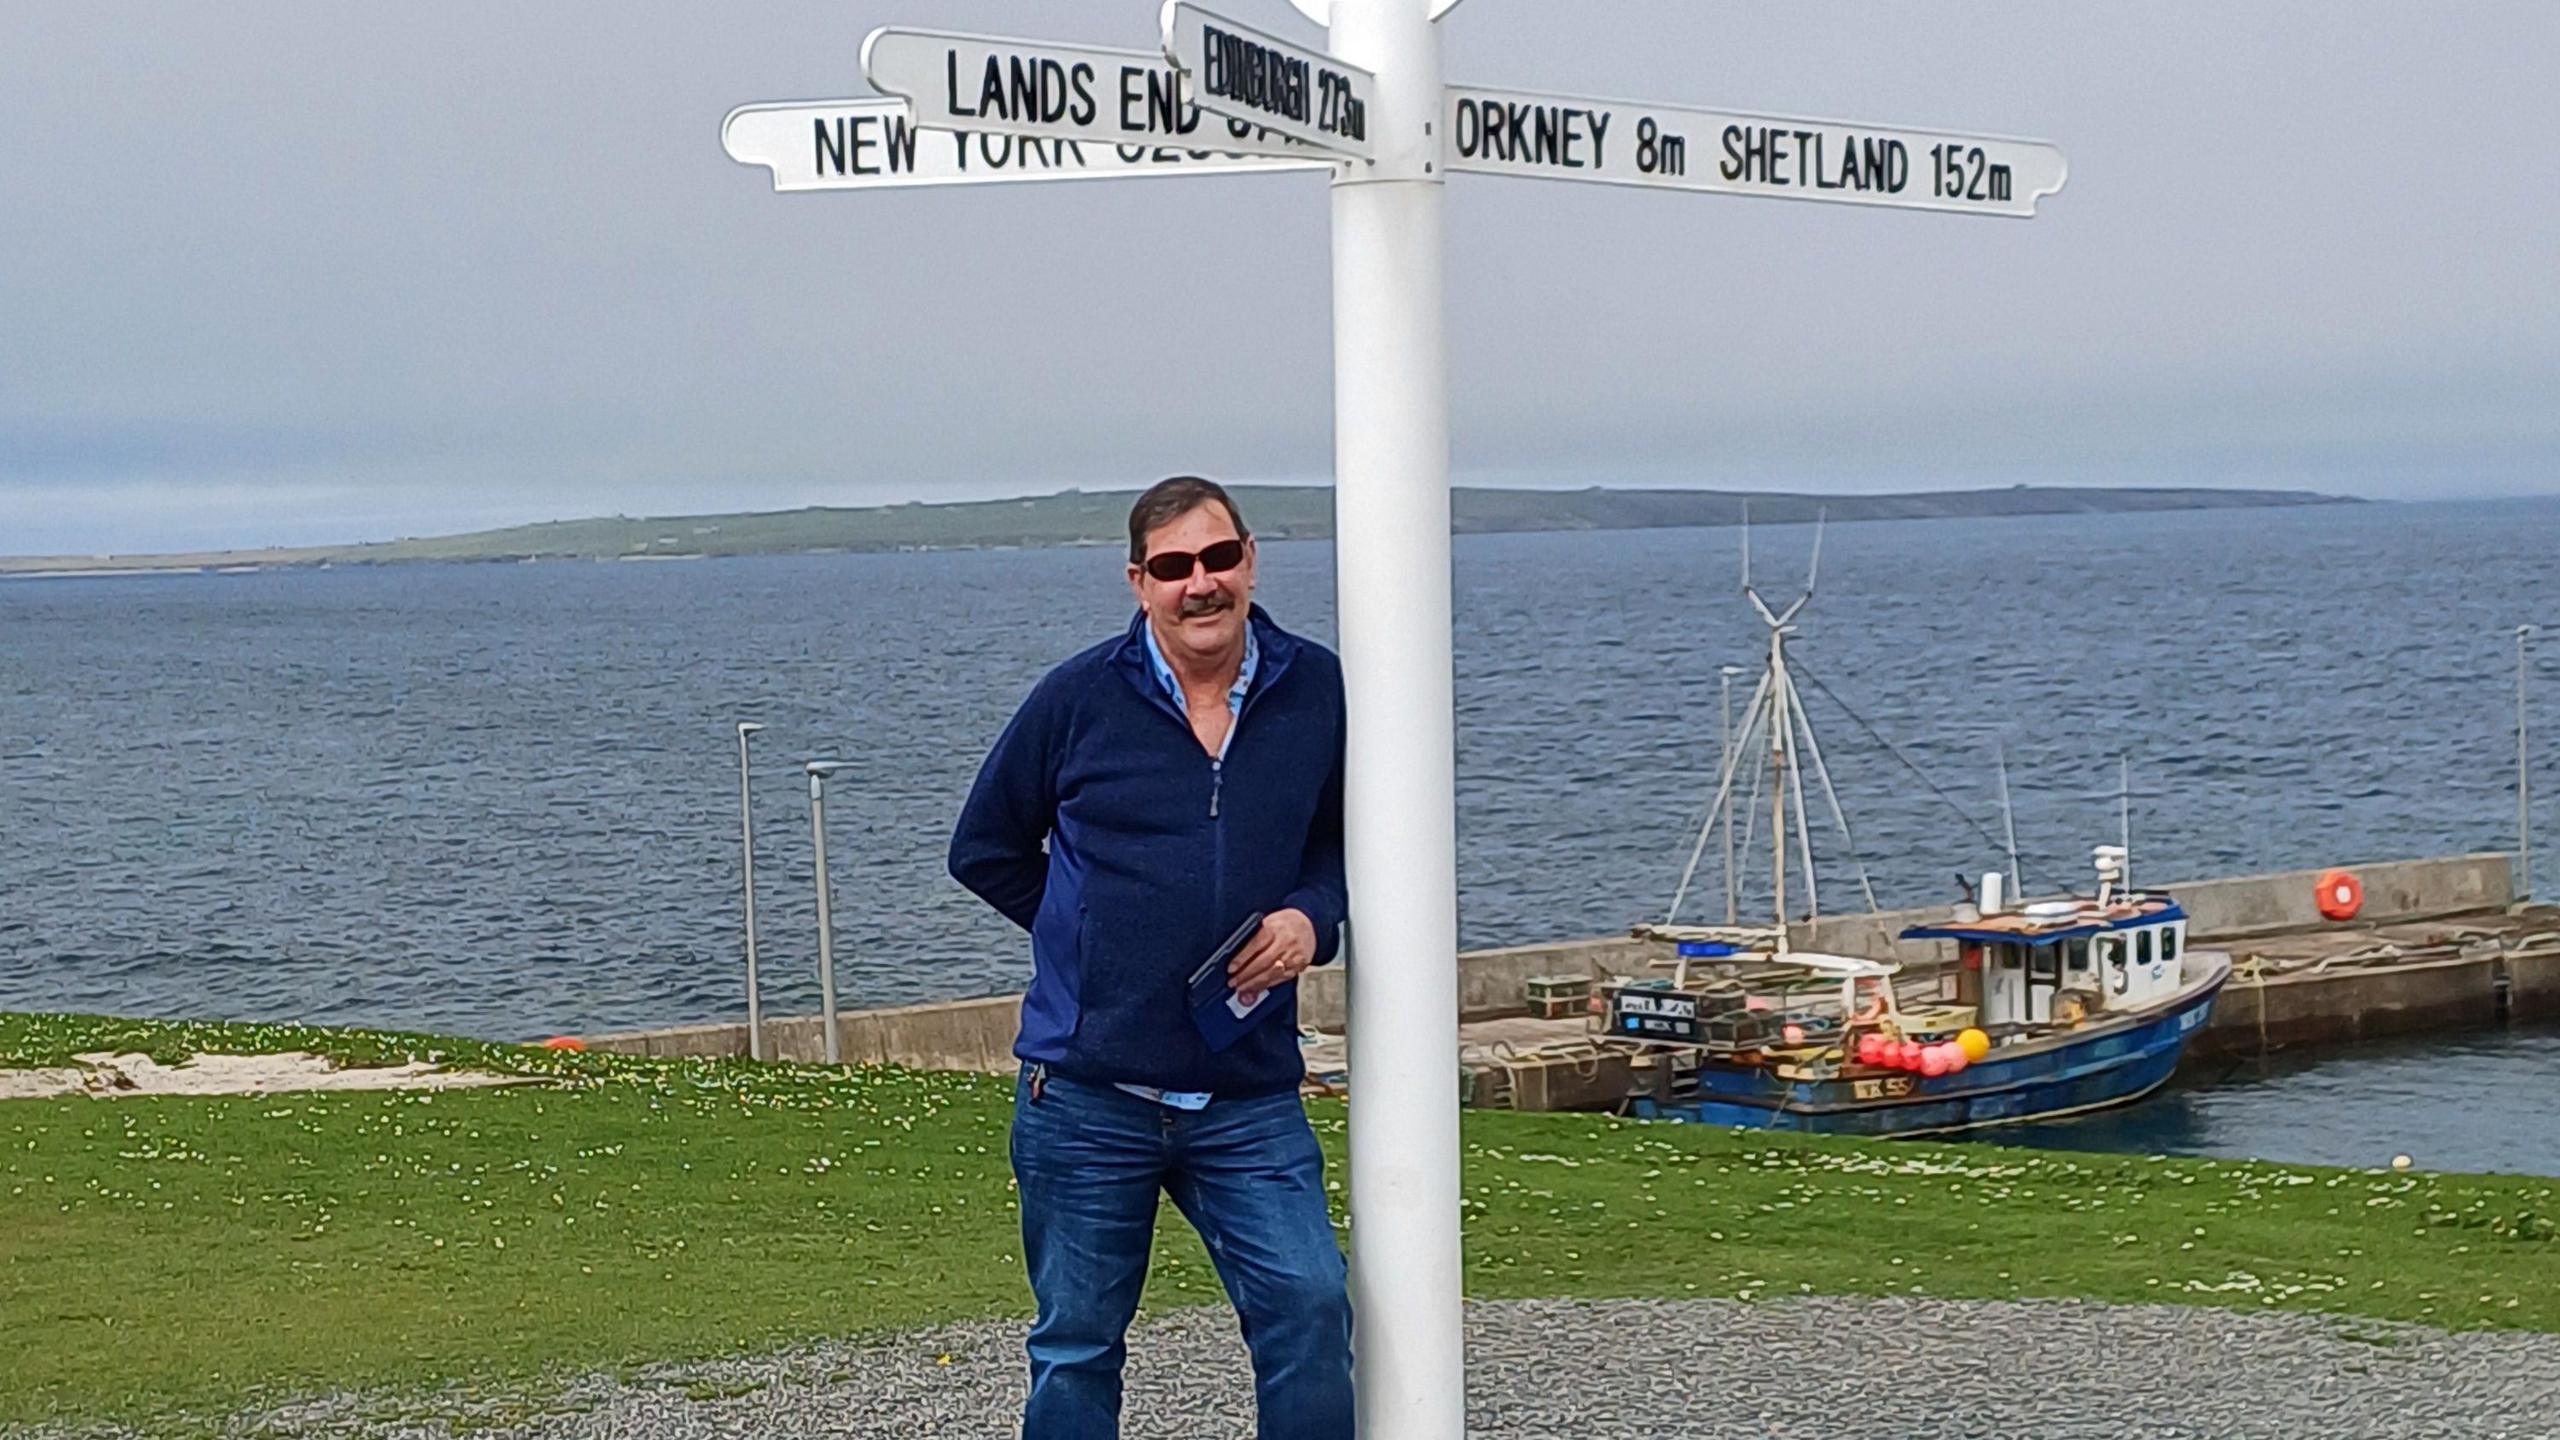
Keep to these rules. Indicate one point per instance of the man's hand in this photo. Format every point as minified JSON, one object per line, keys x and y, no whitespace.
{"x":1279,"y":952}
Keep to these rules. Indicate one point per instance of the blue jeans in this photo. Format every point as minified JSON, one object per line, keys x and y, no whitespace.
{"x":1091,"y":1160}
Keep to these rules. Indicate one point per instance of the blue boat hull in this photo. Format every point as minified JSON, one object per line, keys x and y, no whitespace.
{"x":2063,"y":1076}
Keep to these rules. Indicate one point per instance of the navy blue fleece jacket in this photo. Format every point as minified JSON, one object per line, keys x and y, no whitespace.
{"x":1154,"y":852}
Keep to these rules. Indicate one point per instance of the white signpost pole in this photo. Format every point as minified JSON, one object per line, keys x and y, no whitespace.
{"x":1391,"y":557}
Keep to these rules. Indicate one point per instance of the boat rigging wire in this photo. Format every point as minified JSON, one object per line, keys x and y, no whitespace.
{"x":1909,"y":764}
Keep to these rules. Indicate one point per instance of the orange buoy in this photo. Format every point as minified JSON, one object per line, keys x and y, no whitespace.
{"x":2341,"y":894}
{"x":564,"y":1042}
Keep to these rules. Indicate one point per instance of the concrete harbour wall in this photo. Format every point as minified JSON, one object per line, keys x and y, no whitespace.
{"x":977,"y":1034}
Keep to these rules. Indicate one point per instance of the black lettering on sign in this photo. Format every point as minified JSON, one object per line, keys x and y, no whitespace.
{"x":1166,"y":112}
{"x":1806,"y":159}
{"x":1235,"y":67}
{"x":1342,"y":112}
{"x":1756,"y":154}
{"x":1081,"y":79}
{"x":1965,"y":172}
{"x":1526,"y":133}
{"x":845,"y":145}
{"x":1823,"y":179}
{"x":863,"y":140}
{"x":1133,"y":100}
{"x":1021,"y":98}
{"x":1027,"y":88}
{"x":1659,"y":151}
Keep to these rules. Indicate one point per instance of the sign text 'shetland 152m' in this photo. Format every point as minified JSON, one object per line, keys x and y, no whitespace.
{"x":1625,"y":142}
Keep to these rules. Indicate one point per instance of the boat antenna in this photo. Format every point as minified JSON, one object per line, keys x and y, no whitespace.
{"x":2008,"y":817}
{"x":1777,"y":621}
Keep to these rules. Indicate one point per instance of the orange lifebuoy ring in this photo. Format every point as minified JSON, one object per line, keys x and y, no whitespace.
{"x":2341,"y":894}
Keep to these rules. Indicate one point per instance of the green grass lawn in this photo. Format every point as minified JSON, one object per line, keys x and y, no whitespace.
{"x":192,"y":1255}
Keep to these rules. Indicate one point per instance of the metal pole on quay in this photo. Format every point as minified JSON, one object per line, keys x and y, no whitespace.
{"x":1391,"y":527}
{"x":747,"y":870}
{"x":2524,"y":781}
{"x":819,"y":770}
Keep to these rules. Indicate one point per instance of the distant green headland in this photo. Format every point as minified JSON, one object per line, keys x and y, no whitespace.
{"x":1078,"y":517}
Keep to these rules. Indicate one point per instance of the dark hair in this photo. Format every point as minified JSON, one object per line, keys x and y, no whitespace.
{"x":1169,"y":500}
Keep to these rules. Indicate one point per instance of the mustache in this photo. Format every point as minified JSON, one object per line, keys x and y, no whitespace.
{"x":1209,"y":604}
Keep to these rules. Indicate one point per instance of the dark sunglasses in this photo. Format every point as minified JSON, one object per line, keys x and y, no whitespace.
{"x":1173,"y":565}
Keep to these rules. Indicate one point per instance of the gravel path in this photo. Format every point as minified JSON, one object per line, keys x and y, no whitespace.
{"x":1815,"y":1369}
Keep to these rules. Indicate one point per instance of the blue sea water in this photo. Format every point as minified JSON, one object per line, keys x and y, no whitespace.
{"x":502,"y":799}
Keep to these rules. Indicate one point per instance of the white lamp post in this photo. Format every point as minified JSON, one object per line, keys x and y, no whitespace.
{"x":819,"y":770}
{"x":747,"y":869}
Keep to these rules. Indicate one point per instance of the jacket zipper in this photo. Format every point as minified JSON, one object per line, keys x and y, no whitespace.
{"x":1217,"y":781}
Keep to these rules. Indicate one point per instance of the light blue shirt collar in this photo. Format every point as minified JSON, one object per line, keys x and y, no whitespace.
{"x":1235,"y":692}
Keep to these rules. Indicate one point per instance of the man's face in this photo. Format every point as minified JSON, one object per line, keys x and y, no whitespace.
{"x":1203,"y":612}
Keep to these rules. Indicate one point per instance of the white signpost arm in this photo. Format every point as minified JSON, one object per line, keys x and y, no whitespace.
{"x":870,"y":143}
{"x":1391,"y":557}
{"x":1678,"y":147}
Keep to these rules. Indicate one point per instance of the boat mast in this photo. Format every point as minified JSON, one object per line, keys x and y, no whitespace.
{"x":1783,"y":772}
{"x":1776,"y":711}
{"x":1777,"y":775}
{"x":1725,"y":674}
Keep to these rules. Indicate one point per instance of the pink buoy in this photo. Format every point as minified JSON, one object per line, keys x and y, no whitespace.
{"x":1957,"y":1059}
{"x":1907,"y":1055}
{"x":1933,"y":1062}
{"x":1793,"y":1034}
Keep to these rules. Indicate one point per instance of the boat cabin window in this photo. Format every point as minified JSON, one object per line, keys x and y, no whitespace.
{"x":2043,"y":964}
{"x":2168,"y":942}
{"x":2142,"y":947}
{"x":2075,"y":957}
{"x":2111,"y":953}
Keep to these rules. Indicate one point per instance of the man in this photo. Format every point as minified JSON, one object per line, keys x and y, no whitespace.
{"x":1153,"y":794}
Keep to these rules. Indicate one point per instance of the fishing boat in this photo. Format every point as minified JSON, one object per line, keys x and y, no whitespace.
{"x":2047,"y":1008}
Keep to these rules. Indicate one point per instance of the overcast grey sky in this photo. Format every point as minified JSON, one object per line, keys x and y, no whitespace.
{"x":290,"y":272}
